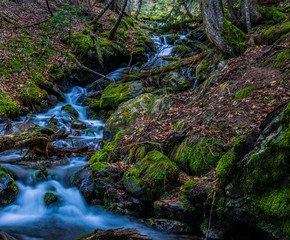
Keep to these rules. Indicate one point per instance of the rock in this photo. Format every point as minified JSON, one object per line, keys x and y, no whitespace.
{"x":176,"y":81}
{"x":114,"y":94}
{"x":215,"y":232}
{"x":170,"y":226}
{"x":68,"y":108}
{"x":155,"y":173}
{"x":77,"y":124}
{"x":95,"y":94}
{"x":127,"y":113}
{"x":180,"y":49}
{"x":19,"y":127}
{"x":52,"y":101}
{"x":50,"y":199}
{"x":8,"y":188}
{"x":173,"y":210}
{"x":84,"y":181}
{"x":132,"y":187}
{"x":171,"y":39}
{"x":58,"y":93}
{"x":233,"y":191}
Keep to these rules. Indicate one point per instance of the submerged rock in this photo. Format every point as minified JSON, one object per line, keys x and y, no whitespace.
{"x":127,"y":113}
{"x":77,"y":124}
{"x":68,"y":108}
{"x":50,"y":199}
{"x":8,"y":188}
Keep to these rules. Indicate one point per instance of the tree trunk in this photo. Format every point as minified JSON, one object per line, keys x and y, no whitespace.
{"x":138,"y":9}
{"x":232,"y":14}
{"x":249,"y":7}
{"x":247,"y":17}
{"x":114,"y":29}
{"x":96,"y":19}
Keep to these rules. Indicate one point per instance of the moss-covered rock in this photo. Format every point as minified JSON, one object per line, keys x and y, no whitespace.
{"x":181,"y":49}
{"x":127,"y":113}
{"x":154,"y":174}
{"x":171,"y":39}
{"x":81,"y":43}
{"x":8,"y":188}
{"x":234,"y":37}
{"x":275,"y":33}
{"x":8,"y":106}
{"x":98,"y":166}
{"x":243,"y":93}
{"x":197,"y":158}
{"x":272,"y":14}
{"x":32,"y":94}
{"x":68,"y":108}
{"x":114,"y":94}
{"x":77,"y":124}
{"x":176,"y":81}
{"x":50,"y":199}
{"x":282,"y":58}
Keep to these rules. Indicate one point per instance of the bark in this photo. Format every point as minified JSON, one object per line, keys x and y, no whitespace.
{"x":48,"y":7}
{"x":213,"y":20}
{"x":96,"y":19}
{"x":247,"y":17}
{"x":232,"y":14}
{"x":249,"y":7}
{"x":114,"y":29}
{"x":167,"y":68}
{"x":138,"y":9}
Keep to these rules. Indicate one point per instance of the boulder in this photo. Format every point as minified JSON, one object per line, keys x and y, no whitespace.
{"x":8,"y":188}
{"x":176,"y":81}
{"x":127,"y":113}
{"x":114,"y":94}
{"x":170,"y":226}
{"x":171,"y":39}
{"x":155,"y":173}
{"x":19,"y":127}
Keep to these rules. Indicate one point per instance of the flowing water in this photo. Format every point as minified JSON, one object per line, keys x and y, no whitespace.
{"x":28,"y":216}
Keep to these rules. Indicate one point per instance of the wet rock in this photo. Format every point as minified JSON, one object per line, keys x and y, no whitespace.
{"x":68,"y":108}
{"x":176,"y":81}
{"x":215,"y":232}
{"x":126,"y":114}
{"x":77,"y":124}
{"x":52,"y":101}
{"x":171,"y":39}
{"x":170,"y":226}
{"x":50,"y":199}
{"x":19,"y":127}
{"x":84,"y":181}
{"x":8,"y":188}
{"x":95,"y":94}
{"x":114,"y":94}
{"x":132,"y":187}
{"x":37,"y":177}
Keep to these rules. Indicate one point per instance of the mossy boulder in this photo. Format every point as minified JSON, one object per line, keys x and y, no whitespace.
{"x":50,"y":199}
{"x":114,"y":94}
{"x":181,"y":49}
{"x":8,"y":188}
{"x":9,"y":107}
{"x":127,"y":113}
{"x":171,"y":39}
{"x":272,"y":14}
{"x":81,"y":44}
{"x":275,"y":33}
{"x":150,"y":178}
{"x":176,"y":81}
{"x":68,"y":108}
{"x":282,"y":58}
{"x":197,"y":158}
{"x":98,"y":166}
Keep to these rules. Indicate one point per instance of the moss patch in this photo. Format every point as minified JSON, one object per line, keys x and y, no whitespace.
{"x":283,"y":57}
{"x":68,"y":108}
{"x":271,"y":14}
{"x":275,"y":32}
{"x":98,"y":166}
{"x":243,"y":93}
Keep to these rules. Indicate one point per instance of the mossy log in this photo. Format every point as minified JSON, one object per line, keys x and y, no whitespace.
{"x":167,"y":68}
{"x":120,"y":234}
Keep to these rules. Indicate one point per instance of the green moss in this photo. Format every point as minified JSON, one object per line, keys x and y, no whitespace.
{"x":271,"y":14}
{"x":114,"y":94}
{"x":131,"y":22}
{"x":50,"y":198}
{"x":40,"y":81}
{"x":68,"y":108}
{"x":234,"y":37}
{"x":283,"y":57}
{"x":181,"y":49}
{"x":185,"y":202}
{"x":275,"y":32}
{"x":196,"y":159}
{"x":243,"y":93}
{"x":267,"y":62}
{"x":220,"y":207}
{"x":285,"y":118}
{"x":275,"y":203}
{"x":32,"y":94}
{"x":9,"y":108}
{"x":139,"y":51}
{"x":110,"y":150}
{"x":155,"y":173}
{"x":98,"y":166}
{"x":225,"y":167}
{"x":81,"y":43}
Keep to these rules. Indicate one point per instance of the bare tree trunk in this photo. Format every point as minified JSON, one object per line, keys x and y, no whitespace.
{"x":247,"y":16}
{"x":224,"y":35}
{"x":233,"y":16}
{"x":138,"y":9}
{"x":48,"y":7}
{"x":109,"y":3}
{"x":114,"y":29}
{"x":249,"y":7}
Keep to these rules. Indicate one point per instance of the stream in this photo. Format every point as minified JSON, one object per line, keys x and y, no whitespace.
{"x":28,"y":217}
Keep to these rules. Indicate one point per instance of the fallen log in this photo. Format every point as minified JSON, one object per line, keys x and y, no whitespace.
{"x":167,"y":68}
{"x":116,"y":234}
